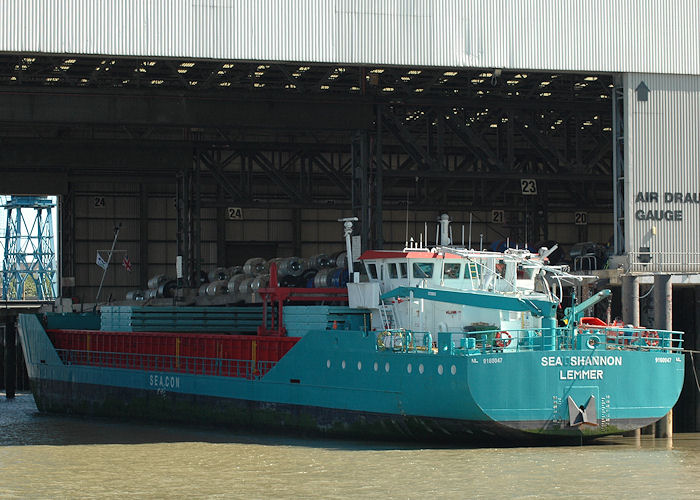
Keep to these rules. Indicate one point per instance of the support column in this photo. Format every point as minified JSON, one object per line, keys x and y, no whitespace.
{"x":663,"y":302}
{"x":197,"y":222}
{"x":630,"y":310}
{"x":296,"y":231}
{"x":360,"y":185}
{"x":10,"y":357}
{"x":630,"y":300}
{"x":378,"y":185}
{"x":143,"y":235}
{"x":220,"y":228}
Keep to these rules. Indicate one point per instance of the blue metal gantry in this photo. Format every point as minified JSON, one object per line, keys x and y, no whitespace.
{"x":29,"y":248}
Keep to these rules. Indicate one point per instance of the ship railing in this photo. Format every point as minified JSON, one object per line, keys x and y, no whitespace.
{"x":498,"y":341}
{"x":239,"y":368}
{"x":531,"y":339}
{"x":627,"y":338}
{"x":401,"y":340}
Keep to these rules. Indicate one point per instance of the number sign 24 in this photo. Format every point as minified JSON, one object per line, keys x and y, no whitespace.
{"x":234,"y":213}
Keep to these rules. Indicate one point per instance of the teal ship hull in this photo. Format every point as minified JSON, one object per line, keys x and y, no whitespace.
{"x":347,"y":383}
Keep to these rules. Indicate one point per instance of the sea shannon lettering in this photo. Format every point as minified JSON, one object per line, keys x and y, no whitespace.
{"x":164,"y":381}
{"x":581,"y":361}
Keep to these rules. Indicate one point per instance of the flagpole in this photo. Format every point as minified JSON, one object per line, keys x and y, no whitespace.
{"x":109,"y":258}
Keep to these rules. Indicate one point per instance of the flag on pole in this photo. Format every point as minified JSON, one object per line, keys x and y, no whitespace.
{"x":126,"y":263}
{"x":101,"y":262}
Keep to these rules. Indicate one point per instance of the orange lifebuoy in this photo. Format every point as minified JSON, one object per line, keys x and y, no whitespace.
{"x":616,"y":336}
{"x":651,"y":338}
{"x":503,"y":339}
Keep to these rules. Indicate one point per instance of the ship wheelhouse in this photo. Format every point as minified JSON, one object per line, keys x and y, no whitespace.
{"x":450,"y":270}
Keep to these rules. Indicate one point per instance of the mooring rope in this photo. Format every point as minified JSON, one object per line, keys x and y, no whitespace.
{"x":692,"y":359}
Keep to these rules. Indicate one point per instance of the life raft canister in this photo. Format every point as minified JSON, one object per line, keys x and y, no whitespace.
{"x":503,"y":339}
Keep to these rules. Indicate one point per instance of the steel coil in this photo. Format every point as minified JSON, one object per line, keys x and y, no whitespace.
{"x":219,"y":287}
{"x":260,"y":281}
{"x":135,"y":295}
{"x":157,"y":280}
{"x":218,"y":274}
{"x":256,"y":265}
{"x":320,"y":261}
{"x":167,"y":290}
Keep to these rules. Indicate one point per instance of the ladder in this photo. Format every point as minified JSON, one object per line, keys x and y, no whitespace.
{"x":386,"y":313}
{"x":473,"y":269}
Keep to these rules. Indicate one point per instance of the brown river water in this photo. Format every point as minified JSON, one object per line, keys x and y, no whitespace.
{"x":48,"y":456}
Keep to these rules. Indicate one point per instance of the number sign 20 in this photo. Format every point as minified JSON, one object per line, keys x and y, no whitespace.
{"x":581,"y":218}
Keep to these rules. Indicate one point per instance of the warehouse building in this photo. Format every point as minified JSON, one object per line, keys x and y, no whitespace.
{"x":220,"y":130}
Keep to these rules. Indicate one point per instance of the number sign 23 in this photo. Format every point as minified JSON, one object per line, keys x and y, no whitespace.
{"x":528,"y":186}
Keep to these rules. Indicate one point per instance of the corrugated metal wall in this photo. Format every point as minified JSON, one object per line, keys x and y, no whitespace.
{"x":595,"y":35}
{"x":662,"y":156}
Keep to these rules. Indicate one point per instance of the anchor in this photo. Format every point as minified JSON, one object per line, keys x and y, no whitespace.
{"x":582,"y":415}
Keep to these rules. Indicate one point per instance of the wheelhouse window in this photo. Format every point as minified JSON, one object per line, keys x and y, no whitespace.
{"x":423,"y":269}
{"x":403,"y":270}
{"x":371,"y":271}
{"x":525,"y":273}
{"x":452,"y":271}
{"x":501,"y":268}
{"x":393,"y":271}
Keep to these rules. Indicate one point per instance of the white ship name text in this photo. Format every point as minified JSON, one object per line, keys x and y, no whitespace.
{"x":164,"y":381}
{"x":581,"y":361}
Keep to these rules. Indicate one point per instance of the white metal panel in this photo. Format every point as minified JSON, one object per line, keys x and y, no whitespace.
{"x":650,"y":36}
{"x":662,"y":156}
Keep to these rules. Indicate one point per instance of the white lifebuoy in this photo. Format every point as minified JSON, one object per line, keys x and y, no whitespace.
{"x":503,"y":339}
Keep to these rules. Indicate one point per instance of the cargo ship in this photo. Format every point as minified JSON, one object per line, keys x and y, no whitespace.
{"x":441,"y":344}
